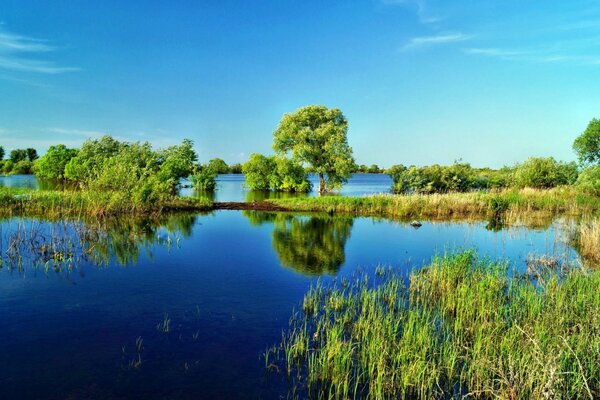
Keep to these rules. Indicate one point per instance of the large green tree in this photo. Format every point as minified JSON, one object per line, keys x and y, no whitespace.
{"x":587,"y":145}
{"x":317,"y":136}
{"x":2,"y":153}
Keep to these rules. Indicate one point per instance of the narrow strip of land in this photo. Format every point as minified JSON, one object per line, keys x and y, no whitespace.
{"x":250,"y":205}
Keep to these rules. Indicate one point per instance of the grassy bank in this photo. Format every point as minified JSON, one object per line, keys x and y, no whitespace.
{"x":510,"y":204}
{"x":462,"y":329}
{"x":53,"y":204}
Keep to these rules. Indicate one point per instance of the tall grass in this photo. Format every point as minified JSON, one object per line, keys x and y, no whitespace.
{"x":588,"y":239}
{"x":508,"y":204}
{"x":52,"y":204}
{"x":460,"y":329}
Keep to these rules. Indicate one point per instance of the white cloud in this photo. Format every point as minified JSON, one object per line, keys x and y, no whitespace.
{"x":423,"y":41}
{"x":13,"y":47}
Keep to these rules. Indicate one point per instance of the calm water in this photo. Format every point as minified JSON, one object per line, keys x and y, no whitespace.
{"x":227,"y":282}
{"x":230,"y":187}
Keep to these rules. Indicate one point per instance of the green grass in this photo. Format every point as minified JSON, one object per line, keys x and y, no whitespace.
{"x":461,"y":329}
{"x":509,"y":204}
{"x":56,"y":204}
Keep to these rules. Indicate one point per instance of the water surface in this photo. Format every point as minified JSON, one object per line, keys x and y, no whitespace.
{"x":226,"y":282}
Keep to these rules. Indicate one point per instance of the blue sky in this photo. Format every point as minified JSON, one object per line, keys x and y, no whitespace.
{"x":488,"y":82}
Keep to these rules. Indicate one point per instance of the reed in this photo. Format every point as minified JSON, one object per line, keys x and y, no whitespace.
{"x":507,"y":204}
{"x":588,"y":239}
{"x":59,"y":204}
{"x":460,"y":327}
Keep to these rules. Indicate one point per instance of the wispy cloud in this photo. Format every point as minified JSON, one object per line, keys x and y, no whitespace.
{"x":446,"y":38}
{"x":536,"y":55}
{"x":420,"y":7}
{"x":17,"y":53}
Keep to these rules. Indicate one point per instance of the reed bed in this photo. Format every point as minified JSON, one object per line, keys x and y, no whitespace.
{"x":508,"y":204}
{"x":460,"y":328}
{"x":588,"y":239}
{"x":55,"y":204}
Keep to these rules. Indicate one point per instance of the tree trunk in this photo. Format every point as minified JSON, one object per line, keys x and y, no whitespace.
{"x":321,"y":185}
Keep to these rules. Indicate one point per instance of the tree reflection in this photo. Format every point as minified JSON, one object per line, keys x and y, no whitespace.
{"x":60,"y":245}
{"x":311,"y":245}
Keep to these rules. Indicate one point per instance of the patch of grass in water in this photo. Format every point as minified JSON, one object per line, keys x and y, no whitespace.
{"x":461,"y":328}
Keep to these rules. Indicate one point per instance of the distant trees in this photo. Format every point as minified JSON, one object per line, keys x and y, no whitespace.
{"x":317,"y":136}
{"x":536,"y":172}
{"x":218,"y":166}
{"x":587,"y":145}
{"x":20,"y":161}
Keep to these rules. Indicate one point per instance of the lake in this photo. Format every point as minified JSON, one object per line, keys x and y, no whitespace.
{"x":203,"y":295}
{"x":230,"y":187}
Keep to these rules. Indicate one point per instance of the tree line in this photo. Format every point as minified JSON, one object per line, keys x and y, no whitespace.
{"x":312,"y":139}
{"x":20,"y":161}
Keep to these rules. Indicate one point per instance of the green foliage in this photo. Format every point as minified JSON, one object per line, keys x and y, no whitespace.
{"x":258,"y":170}
{"x":52,"y":164}
{"x":235,"y":168}
{"x":275,"y":173}
{"x":317,"y":136}
{"x":589,"y":180}
{"x":204,"y":179}
{"x":32,"y":154}
{"x":433,"y":179}
{"x":23,"y":167}
{"x":17,"y":155}
{"x":374,"y":169}
{"x":538,"y":172}
{"x":362,"y":168}
{"x":2,"y":153}
{"x":587,"y":145}
{"x":7,"y":167}
{"x":218,"y":166}
{"x":133,"y":168}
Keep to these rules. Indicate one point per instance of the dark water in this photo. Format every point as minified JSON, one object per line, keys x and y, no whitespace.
{"x":75,"y":297}
{"x":230,"y":187}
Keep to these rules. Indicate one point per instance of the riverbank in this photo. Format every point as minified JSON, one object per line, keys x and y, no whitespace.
{"x":54,"y":204}
{"x":508,"y":204}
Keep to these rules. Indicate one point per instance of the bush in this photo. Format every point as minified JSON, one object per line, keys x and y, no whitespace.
{"x":589,"y":180}
{"x":23,"y":167}
{"x":544,"y":173}
{"x":132,"y":168}
{"x":52,"y":164}
{"x":204,"y":179}
{"x":276,"y":173}
{"x":432,"y":179}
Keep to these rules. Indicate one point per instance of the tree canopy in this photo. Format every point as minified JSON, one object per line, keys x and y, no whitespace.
{"x":317,"y":136}
{"x":587,"y":145}
{"x":52,"y":164}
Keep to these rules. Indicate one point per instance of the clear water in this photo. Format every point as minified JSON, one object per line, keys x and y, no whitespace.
{"x":228,"y":282}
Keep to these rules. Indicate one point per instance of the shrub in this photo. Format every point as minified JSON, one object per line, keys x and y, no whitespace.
{"x":52,"y":164}
{"x":432,"y":179}
{"x":132,"y":168}
{"x":204,"y":179}
{"x":23,"y":167}
{"x":543,"y":173}
{"x":276,"y":173}
{"x":589,"y":180}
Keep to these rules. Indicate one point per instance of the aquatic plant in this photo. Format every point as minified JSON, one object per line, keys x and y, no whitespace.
{"x":165,"y":325}
{"x":461,"y":327}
